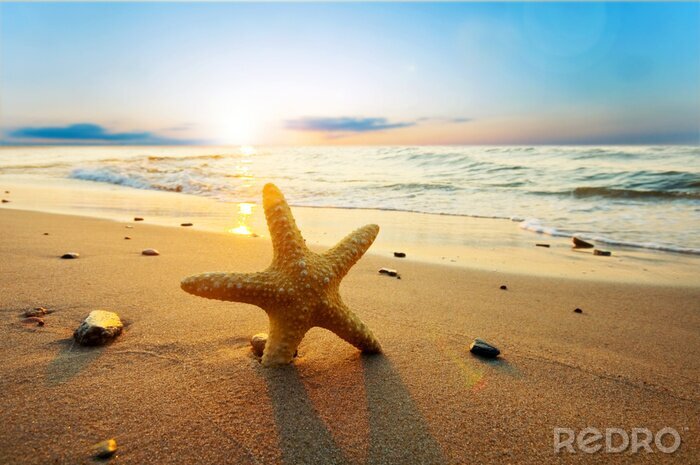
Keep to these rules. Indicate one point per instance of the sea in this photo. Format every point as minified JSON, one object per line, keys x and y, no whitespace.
{"x":635,"y":196}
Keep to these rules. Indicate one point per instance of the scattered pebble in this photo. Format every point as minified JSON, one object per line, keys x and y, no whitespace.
{"x":388,"y":271}
{"x":35,"y":319}
{"x":483,"y":349}
{"x":5,"y":201}
{"x":257,"y":342}
{"x":104,"y":449}
{"x":185,"y":224}
{"x":602,"y":253}
{"x":504,"y":287}
{"x":46,"y":234}
{"x":129,"y":227}
{"x":128,"y":238}
{"x":400,"y":254}
{"x":99,"y":327}
{"x":7,"y":192}
{"x":581,"y":244}
{"x":578,"y":310}
{"x":37,"y":311}
{"x":152,"y":252}
{"x":542,"y":245}
{"x":70,"y":255}
{"x":138,"y":218}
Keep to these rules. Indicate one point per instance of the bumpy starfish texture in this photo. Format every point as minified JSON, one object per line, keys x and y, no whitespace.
{"x":299,"y":290}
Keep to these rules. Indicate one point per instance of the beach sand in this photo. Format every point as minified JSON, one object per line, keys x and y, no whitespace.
{"x":181,"y":386}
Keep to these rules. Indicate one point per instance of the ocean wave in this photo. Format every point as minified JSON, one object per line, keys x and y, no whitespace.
{"x":536,"y":226}
{"x":112,"y":176}
{"x":614,"y":193}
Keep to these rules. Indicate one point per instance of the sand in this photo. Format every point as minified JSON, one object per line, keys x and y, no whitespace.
{"x":181,"y":386}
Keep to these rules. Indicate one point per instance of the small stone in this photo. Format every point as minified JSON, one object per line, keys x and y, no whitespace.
{"x":151,"y":252}
{"x":257,"y":342}
{"x":34,"y":319}
{"x":7,"y":192}
{"x":483,"y":349}
{"x":46,"y":234}
{"x":129,"y":227}
{"x":399,"y":254}
{"x":581,"y":244}
{"x":104,"y":449}
{"x":138,"y":218}
{"x":185,"y":224}
{"x":5,"y":201}
{"x":70,"y":255}
{"x":504,"y":287}
{"x":99,"y":327}
{"x":602,"y":253}
{"x":578,"y":310}
{"x":127,"y":238}
{"x":542,"y":245}
{"x":37,"y":311}
{"x":388,"y":271}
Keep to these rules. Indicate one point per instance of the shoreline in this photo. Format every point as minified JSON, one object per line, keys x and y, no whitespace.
{"x":181,"y":385}
{"x":471,"y":242}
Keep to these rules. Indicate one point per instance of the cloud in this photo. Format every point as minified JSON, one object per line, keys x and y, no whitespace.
{"x":88,"y":132}
{"x":344,"y":124}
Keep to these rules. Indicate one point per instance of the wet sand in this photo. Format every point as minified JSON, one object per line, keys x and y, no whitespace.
{"x":181,"y":385}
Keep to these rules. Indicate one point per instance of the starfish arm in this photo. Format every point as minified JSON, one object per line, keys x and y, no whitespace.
{"x":286,"y":238}
{"x":348,"y":251}
{"x":236,"y":287}
{"x":283,"y":340}
{"x":348,"y":326}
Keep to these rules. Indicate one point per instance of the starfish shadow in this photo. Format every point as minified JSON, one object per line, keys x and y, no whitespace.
{"x":398,"y":431}
{"x":303,"y":437}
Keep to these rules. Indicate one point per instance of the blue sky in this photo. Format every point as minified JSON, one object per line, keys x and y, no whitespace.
{"x":353,"y":73}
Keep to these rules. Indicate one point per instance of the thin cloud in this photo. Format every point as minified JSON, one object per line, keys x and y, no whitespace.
{"x":88,"y":132}
{"x":344,"y":124}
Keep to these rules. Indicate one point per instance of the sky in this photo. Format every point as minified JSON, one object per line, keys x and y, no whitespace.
{"x":350,"y":73}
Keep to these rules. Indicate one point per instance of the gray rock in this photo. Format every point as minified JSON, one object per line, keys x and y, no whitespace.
{"x":99,"y":327}
{"x":483,"y":349}
{"x":151,"y":252}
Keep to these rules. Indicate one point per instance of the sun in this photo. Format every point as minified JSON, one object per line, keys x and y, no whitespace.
{"x":237,"y":129}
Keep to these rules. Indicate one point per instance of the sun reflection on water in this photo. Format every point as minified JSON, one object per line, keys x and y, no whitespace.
{"x":245,"y":210}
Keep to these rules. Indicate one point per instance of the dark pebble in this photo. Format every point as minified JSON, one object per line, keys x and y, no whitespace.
{"x":542,"y":245}
{"x":578,"y":310}
{"x":400,"y":254}
{"x":483,"y":349}
{"x":34,"y":319}
{"x":581,"y":244}
{"x":602,"y":253}
{"x":37,"y":311}
{"x":5,"y":201}
{"x":7,"y":192}
{"x":388,"y":271}
{"x":504,"y":287}
{"x":127,"y":238}
{"x":70,"y":255}
{"x":104,"y":449}
{"x":46,"y":234}
{"x":185,"y":224}
{"x":138,"y":218}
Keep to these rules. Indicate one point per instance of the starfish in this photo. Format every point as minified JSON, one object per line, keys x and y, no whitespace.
{"x":299,"y":290}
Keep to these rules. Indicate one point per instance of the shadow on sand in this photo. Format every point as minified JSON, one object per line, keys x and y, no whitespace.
{"x":70,"y":361}
{"x":397,"y":431}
